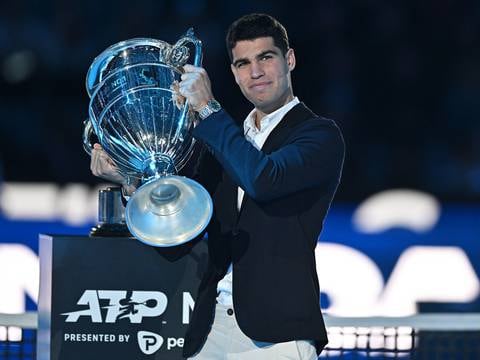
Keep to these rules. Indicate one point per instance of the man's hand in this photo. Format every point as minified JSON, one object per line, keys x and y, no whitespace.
{"x":103,"y":166}
{"x":195,"y":86}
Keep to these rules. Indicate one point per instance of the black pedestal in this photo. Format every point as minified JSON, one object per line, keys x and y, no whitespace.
{"x":115,"y":298}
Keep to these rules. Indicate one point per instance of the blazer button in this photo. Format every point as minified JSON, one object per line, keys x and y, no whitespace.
{"x":235,"y":232}
{"x":230,"y":312}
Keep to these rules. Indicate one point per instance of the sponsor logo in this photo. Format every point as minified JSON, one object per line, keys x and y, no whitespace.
{"x":131,"y":305}
{"x":149,"y":342}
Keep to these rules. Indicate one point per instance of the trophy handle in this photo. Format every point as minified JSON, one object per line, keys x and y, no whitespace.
{"x":189,"y":37}
{"x":87,"y":132}
{"x":178,"y":57}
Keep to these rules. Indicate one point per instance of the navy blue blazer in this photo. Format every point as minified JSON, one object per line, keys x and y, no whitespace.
{"x":288,"y":186}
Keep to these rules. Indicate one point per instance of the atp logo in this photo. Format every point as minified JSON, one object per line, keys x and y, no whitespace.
{"x":131,"y":305}
{"x":149,"y":342}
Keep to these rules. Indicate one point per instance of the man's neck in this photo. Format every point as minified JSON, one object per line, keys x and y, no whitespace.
{"x":259,"y":114}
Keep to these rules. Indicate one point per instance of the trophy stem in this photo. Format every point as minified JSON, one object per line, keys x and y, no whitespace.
{"x":156,"y":166}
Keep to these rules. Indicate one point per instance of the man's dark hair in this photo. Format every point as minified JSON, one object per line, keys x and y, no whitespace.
{"x":254,"y":26}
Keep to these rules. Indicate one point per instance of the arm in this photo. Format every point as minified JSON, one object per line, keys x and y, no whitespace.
{"x":312,"y":157}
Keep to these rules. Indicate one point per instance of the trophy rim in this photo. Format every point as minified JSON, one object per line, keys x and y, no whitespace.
{"x":107,"y":54}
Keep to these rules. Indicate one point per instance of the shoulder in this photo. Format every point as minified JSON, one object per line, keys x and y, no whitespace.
{"x":305,"y":121}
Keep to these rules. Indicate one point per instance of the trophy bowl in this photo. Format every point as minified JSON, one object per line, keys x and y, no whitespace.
{"x":145,"y":127}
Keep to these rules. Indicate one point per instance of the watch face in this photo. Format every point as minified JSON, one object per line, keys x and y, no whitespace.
{"x":214,"y":105}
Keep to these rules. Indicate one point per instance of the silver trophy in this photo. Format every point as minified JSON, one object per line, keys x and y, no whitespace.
{"x":145,"y":127}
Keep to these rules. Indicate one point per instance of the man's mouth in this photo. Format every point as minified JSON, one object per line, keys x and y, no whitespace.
{"x":260,"y":85}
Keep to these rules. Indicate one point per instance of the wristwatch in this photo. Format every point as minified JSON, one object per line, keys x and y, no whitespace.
{"x":212,"y":106}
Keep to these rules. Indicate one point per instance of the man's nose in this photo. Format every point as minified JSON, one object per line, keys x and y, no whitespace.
{"x":256,"y":70}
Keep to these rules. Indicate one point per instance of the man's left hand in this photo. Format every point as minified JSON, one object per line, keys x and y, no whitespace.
{"x":195,"y":86}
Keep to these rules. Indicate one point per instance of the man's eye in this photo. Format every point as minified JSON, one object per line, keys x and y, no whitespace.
{"x":265,"y":57}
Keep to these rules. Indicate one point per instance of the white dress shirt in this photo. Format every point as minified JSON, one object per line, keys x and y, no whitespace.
{"x":257,"y":138}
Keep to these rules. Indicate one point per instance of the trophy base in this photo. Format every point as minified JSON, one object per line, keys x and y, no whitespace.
{"x":110,"y":230}
{"x":168,"y":211}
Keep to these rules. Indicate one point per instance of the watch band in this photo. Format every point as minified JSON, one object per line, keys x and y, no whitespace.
{"x":211,"y":107}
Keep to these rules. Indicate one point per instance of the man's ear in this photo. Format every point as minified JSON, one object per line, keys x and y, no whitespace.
{"x":290,"y":57}
{"x":234,"y":72}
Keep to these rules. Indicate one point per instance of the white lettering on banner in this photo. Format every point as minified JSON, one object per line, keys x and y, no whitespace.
{"x":174,"y":342}
{"x":123,"y":338}
{"x":134,"y":305}
{"x":414,"y":210}
{"x":187,"y":307}
{"x":76,"y":204}
{"x":139,"y":305}
{"x":429,"y":273}
{"x":19,"y":274}
{"x":29,"y":201}
{"x":82,"y":337}
{"x":421,"y":274}
{"x":90,"y":298}
{"x":350,"y":278}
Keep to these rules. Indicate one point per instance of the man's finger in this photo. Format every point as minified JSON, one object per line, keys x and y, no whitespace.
{"x":191,"y":76}
{"x":190,"y":68}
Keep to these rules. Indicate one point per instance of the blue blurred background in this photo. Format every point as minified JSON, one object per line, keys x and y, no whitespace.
{"x":401,"y":78}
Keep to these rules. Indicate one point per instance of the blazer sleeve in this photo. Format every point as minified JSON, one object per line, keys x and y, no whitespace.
{"x":311,"y":157}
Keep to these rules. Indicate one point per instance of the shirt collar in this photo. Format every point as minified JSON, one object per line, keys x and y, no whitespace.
{"x":268,"y":120}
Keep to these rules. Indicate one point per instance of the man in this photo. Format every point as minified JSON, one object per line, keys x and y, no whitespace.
{"x":259,"y":298}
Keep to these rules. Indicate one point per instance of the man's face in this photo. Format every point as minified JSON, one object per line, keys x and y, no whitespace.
{"x":263,"y":73}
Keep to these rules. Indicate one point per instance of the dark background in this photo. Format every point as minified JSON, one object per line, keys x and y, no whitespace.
{"x":401,"y":78}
